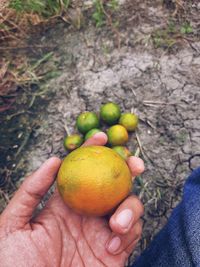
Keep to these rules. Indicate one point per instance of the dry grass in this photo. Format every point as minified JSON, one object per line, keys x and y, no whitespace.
{"x":14,"y":28}
{"x":15,"y":31}
{"x":18,"y":23}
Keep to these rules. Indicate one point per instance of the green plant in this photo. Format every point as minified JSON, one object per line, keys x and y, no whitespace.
{"x":26,"y":71}
{"x":100,"y":14}
{"x":44,"y":8}
{"x":113,"y":5}
{"x":161,"y":38}
{"x":171,"y":27}
{"x":169,"y":36}
{"x":186,"y":28}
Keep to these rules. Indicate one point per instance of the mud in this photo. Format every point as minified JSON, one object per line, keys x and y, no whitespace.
{"x":161,"y":86}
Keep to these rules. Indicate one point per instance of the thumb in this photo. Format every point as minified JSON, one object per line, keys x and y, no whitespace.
{"x":21,"y":207}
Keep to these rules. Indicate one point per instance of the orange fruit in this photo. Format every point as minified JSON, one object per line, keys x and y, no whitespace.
{"x":87,"y":121}
{"x":129,"y":121}
{"x":73,"y":141}
{"x":117,"y":135}
{"x":93,"y":180}
{"x":110,"y":113}
{"x":122,"y":151}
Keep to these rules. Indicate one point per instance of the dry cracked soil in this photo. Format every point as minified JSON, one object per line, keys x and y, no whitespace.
{"x":160,"y":85}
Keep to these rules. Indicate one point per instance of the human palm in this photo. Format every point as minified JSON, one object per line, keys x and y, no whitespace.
{"x":58,"y":236}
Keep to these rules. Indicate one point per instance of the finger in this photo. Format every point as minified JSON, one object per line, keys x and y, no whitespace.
{"x":126,"y":215}
{"x":20,"y":209}
{"x":136,"y":165}
{"x":98,"y":139}
{"x":132,"y":246}
{"x":119,"y":243}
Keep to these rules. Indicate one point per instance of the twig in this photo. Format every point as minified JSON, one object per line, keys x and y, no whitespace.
{"x":9,"y":117}
{"x":143,"y":190}
{"x":150,"y":105}
{"x":46,"y":57}
{"x":5,"y":196}
{"x":133,"y":91}
{"x":139,"y":144}
{"x":26,"y":138}
{"x":32,"y":79}
{"x":7,"y":35}
{"x":148,"y":123}
{"x":154,"y":102}
{"x":32,"y":101}
{"x":178,"y":5}
{"x":3,"y":70}
{"x":66,"y":129}
{"x":143,"y":152}
{"x":40,"y":92}
{"x":158,"y":102}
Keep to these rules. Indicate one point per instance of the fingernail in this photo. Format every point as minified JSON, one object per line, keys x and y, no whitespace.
{"x":114,"y":244}
{"x":100,"y":134}
{"x":124,"y":218}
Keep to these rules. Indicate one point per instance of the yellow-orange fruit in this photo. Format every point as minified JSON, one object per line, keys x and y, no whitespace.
{"x":93,"y":180}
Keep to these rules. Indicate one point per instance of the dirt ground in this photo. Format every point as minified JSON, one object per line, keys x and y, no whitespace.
{"x":161,"y":85}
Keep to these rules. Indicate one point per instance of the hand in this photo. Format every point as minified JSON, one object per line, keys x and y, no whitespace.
{"x":58,"y":236}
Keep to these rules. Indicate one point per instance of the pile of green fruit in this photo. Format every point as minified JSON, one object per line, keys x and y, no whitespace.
{"x":88,"y":124}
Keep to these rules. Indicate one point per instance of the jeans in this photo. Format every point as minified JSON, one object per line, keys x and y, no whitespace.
{"x":178,"y":243}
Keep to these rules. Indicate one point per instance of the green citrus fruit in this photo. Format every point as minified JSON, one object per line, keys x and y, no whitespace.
{"x":93,"y":180}
{"x":91,"y":133}
{"x":110,"y":113}
{"x":87,"y":121}
{"x":73,"y":141}
{"x":117,"y":135}
{"x":129,"y":121}
{"x":122,"y":151}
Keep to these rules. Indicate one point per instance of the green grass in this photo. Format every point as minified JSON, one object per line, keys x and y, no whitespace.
{"x":48,"y":8}
{"x":163,"y":39}
{"x":44,"y":8}
{"x":34,"y":71}
{"x":100,"y":11}
{"x":168,"y":36}
{"x":98,"y":15}
{"x":186,"y":28}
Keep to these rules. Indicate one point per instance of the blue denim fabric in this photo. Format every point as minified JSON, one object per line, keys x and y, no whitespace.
{"x":178,"y":243}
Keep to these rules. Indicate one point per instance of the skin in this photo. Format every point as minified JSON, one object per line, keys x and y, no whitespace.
{"x":57,"y":236}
